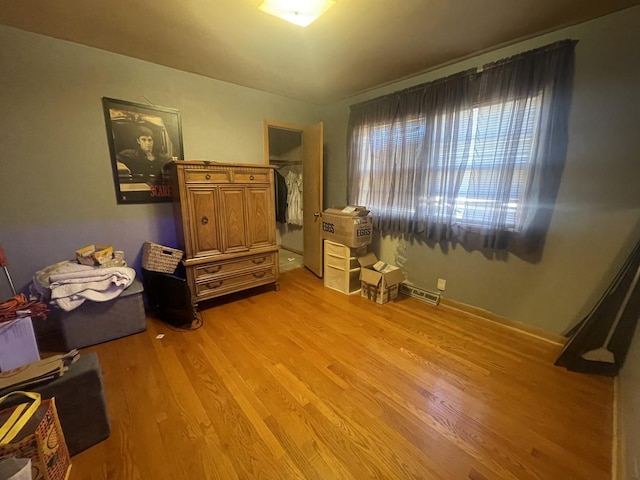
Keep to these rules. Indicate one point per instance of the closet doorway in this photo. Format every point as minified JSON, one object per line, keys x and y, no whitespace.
{"x":296,"y":152}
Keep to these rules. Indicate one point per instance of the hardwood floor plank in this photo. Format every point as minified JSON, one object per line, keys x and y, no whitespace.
{"x":415,"y":389}
{"x":308,"y":383}
{"x":303,"y":429}
{"x":247,"y":401}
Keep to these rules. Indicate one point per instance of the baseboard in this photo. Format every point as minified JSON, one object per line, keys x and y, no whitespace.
{"x":294,"y":250}
{"x":492,"y":317}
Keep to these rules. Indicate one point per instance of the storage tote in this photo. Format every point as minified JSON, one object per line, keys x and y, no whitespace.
{"x":32,"y":430}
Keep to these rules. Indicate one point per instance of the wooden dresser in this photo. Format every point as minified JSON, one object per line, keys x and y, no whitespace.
{"x":225,"y":219}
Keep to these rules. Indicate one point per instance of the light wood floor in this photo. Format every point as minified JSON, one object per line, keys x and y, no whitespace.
{"x":308,"y":383}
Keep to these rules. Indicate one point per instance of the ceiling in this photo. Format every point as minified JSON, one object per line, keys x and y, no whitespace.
{"x":357,"y":45}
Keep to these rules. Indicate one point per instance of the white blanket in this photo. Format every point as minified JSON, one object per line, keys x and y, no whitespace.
{"x":71,"y":288}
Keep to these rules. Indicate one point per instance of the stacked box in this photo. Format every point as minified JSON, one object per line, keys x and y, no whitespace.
{"x":94,"y":254}
{"x":350,"y":226}
{"x":341,"y":267}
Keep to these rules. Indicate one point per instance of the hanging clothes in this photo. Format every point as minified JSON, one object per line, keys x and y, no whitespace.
{"x":294,"y":197}
{"x":281,"y":197}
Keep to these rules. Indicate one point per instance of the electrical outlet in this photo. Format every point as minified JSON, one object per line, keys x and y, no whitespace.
{"x":442,"y":284}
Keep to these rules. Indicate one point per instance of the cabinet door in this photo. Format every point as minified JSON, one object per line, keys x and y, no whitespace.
{"x":233,"y":215}
{"x":204,"y":213}
{"x":262,"y":219}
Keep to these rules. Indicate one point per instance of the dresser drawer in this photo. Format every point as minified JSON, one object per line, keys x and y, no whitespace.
{"x":248,"y":176}
{"x":207,"y":176}
{"x":214,"y":286}
{"x":230,"y":267}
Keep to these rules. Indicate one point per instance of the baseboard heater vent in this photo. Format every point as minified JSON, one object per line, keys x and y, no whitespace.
{"x":420,"y":293}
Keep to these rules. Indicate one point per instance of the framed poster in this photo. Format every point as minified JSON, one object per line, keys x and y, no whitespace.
{"x":142,"y":139}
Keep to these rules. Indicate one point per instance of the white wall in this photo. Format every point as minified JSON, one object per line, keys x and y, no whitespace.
{"x":628,"y":401}
{"x":56,"y":185}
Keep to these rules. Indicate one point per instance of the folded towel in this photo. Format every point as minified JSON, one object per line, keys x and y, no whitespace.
{"x":41,"y":283}
{"x":70,"y":289}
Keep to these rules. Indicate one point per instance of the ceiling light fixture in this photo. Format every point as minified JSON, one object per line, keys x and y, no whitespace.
{"x":299,"y":12}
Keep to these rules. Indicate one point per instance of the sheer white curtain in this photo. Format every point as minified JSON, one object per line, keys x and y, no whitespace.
{"x":474,"y":158}
{"x":405,"y":154}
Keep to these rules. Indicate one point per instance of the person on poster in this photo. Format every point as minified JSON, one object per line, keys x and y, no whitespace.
{"x":144,"y":162}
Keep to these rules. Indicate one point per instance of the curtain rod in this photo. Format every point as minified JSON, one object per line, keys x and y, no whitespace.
{"x":471,"y":71}
{"x":528,"y":53}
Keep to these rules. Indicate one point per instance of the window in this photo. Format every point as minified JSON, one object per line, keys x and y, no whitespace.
{"x":376,"y":140}
{"x":495,"y":166}
{"x":473,"y":154}
{"x":494,"y":155}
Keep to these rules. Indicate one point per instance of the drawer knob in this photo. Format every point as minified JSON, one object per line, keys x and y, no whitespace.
{"x":259,"y":274}
{"x":258,"y":261}
{"x":213,"y":285}
{"x":214,"y":269}
{"x":251,"y":177}
{"x":208,"y":176}
{"x":204,"y":220}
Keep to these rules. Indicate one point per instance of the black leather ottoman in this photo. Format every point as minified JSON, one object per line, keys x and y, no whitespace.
{"x":80,"y":402}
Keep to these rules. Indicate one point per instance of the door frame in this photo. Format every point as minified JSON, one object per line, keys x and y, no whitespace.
{"x":280,"y":125}
{"x":315,"y":265}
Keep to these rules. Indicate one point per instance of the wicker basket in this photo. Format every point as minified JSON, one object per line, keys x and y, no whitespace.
{"x":159,"y":258}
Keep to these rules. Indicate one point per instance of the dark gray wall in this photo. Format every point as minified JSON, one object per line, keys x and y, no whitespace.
{"x":596,"y":221}
{"x":57,"y":194}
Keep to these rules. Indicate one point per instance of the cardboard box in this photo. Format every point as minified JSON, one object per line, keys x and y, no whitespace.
{"x":94,"y":254}
{"x":18,"y":344}
{"x":380,"y":282}
{"x":351,"y":226}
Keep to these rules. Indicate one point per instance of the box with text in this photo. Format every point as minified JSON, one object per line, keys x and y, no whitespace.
{"x":379,"y":282}
{"x":350,"y":226}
